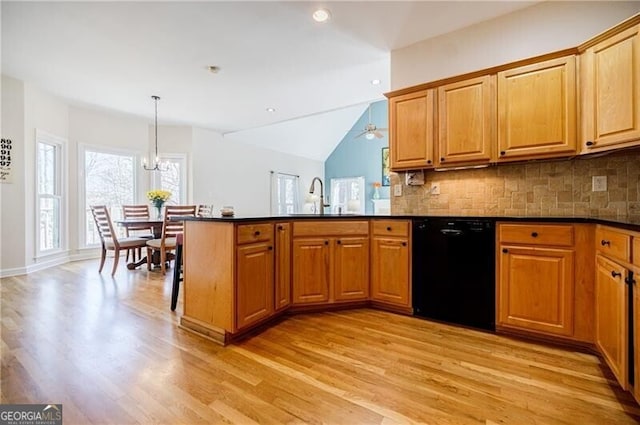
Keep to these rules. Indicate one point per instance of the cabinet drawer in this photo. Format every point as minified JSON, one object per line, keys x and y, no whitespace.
{"x":330,"y":227}
{"x":258,"y":232}
{"x":390,"y":227}
{"x":537,"y":234}
{"x":612,"y":243}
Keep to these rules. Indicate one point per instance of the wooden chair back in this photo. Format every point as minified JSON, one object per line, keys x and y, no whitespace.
{"x":171,"y":229}
{"x":136,"y":211}
{"x":103,"y":223}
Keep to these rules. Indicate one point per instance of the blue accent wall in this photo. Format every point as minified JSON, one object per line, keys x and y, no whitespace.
{"x":361,"y":157}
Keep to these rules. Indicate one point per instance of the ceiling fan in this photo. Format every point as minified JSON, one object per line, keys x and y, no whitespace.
{"x":370,"y":130}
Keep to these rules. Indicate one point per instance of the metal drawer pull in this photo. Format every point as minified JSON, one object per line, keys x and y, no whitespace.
{"x":615,"y":273}
{"x":389,"y":228}
{"x":505,"y":251}
{"x":605,"y":243}
{"x":256,"y":233}
{"x":534,"y":234}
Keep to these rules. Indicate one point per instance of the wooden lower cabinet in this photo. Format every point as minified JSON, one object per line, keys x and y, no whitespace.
{"x":310,"y":270}
{"x":612,"y":316}
{"x":351,"y":269}
{"x":536,"y":289}
{"x":636,"y":332}
{"x":390,"y":271}
{"x":255,"y":281}
{"x":282,"y":266}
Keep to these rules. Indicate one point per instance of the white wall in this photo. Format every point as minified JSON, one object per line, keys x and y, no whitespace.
{"x":236,"y":174}
{"x":539,"y":29}
{"x":12,"y":197}
{"x":50,"y":114}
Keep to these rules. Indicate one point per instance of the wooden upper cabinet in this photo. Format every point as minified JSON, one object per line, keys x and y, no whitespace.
{"x":411,"y":119}
{"x":610,"y":83}
{"x":537,"y":110}
{"x":467,"y":120}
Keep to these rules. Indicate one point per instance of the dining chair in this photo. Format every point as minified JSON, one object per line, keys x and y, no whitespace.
{"x":142,"y":231}
{"x":204,"y":210}
{"x":170,"y":230}
{"x":109,"y":238}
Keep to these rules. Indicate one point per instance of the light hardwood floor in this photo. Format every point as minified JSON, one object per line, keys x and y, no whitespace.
{"x":110,"y":351}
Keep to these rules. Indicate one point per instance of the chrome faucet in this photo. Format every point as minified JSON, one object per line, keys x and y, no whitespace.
{"x":312,"y":189}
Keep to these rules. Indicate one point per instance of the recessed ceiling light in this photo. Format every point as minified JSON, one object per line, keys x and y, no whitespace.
{"x":271,"y":109}
{"x":213,"y":69}
{"x":375,"y":82}
{"x":321,"y":15}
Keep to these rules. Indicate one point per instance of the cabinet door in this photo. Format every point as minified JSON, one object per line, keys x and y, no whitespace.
{"x":467,"y":120}
{"x":536,"y":289}
{"x":411,"y":133}
{"x":537,"y":110}
{"x":612,"y":316}
{"x":390,"y":279}
{"x":283,"y":266}
{"x":611,"y":92}
{"x":310,"y":270}
{"x":351,"y":269}
{"x":635,"y":279}
{"x":254,"y":283}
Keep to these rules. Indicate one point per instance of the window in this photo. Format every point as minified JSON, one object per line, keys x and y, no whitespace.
{"x":284,"y":193}
{"x":173,"y":178}
{"x":49,"y":193}
{"x":109,"y":179}
{"x":347,"y":195}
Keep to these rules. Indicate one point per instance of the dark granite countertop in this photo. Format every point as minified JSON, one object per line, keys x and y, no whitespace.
{"x":625,"y":222}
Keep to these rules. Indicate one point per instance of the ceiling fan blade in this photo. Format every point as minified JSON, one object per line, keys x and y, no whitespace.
{"x":378,"y":134}
{"x":382,"y":129}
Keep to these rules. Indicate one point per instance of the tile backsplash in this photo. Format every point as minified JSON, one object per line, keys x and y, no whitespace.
{"x":538,"y":188}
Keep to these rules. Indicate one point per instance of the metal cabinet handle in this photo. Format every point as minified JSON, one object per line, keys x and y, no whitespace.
{"x":256,"y":233}
{"x":404,"y":244}
{"x":590,"y":143}
{"x":505,"y":251}
{"x":389,"y":229}
{"x":534,"y":234}
{"x":502,"y":153}
{"x":280,"y":228}
{"x":605,"y":243}
{"x":442,"y":159}
{"x":615,"y":273}
{"x":339,"y":242}
{"x":326,"y":242}
{"x":270,"y":248}
{"x":428,"y":161}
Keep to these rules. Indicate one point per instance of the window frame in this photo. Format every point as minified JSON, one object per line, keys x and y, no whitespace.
{"x":155,"y":179}
{"x":82,"y":187}
{"x":60,"y":192}
{"x":277,"y":178}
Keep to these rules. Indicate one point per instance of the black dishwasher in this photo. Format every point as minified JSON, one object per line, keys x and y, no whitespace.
{"x":454,"y":271}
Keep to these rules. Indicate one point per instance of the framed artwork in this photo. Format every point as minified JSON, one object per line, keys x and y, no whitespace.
{"x":385,"y":167}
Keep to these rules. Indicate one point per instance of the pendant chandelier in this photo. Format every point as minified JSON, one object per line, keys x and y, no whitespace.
{"x":156,"y":162}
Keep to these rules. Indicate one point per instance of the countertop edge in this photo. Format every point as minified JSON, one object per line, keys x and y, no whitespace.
{"x":632,"y":223}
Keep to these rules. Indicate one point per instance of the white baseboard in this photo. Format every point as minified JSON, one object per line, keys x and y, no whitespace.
{"x":80,"y":255}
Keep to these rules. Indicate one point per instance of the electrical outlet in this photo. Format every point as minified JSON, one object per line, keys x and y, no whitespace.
{"x":397,"y":190}
{"x":599,"y":183}
{"x":435,"y":189}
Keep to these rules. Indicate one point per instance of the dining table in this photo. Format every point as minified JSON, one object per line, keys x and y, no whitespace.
{"x":153,"y":223}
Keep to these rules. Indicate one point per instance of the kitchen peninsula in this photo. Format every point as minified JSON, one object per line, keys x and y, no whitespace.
{"x":564,"y":279}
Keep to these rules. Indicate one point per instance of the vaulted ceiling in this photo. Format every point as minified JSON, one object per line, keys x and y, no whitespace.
{"x":317,"y":76}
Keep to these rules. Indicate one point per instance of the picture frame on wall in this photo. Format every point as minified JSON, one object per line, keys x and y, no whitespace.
{"x":385,"y":167}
